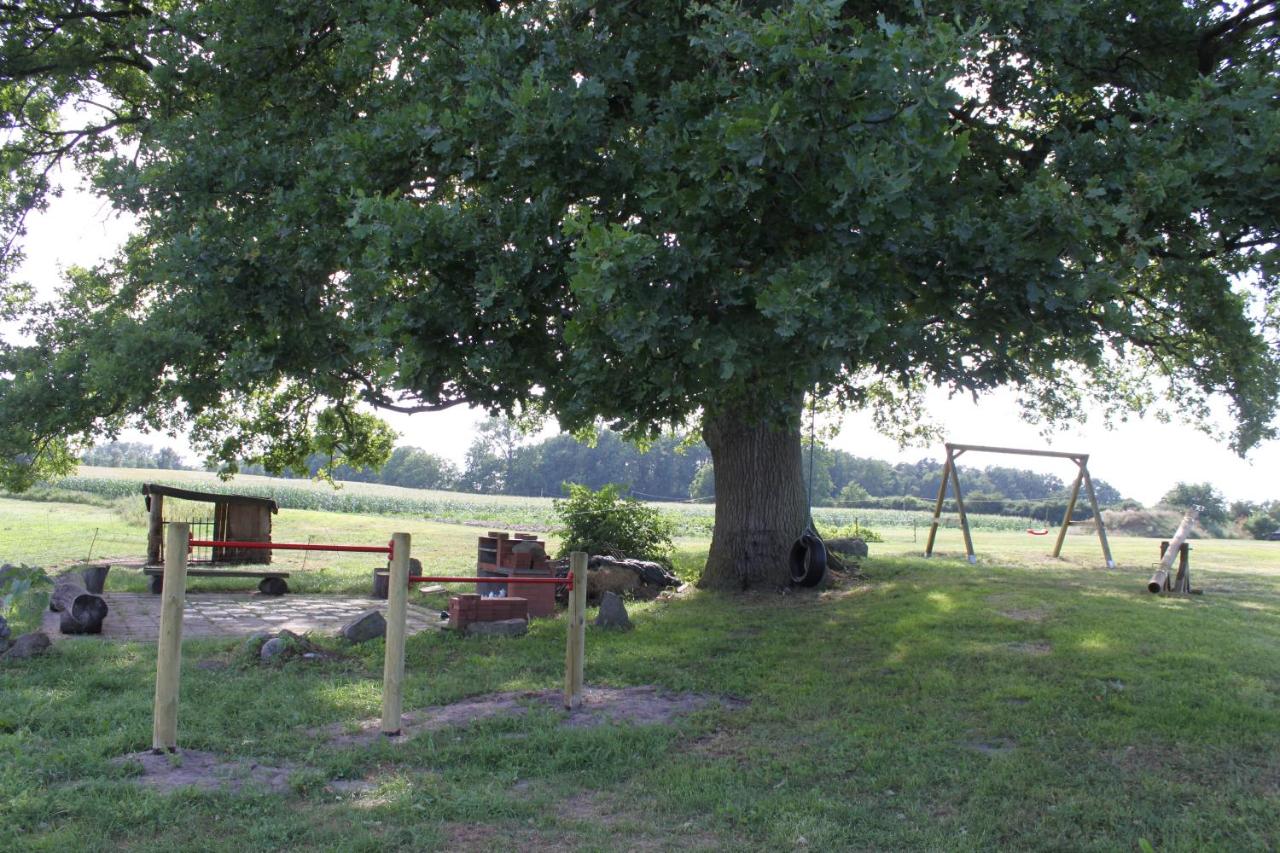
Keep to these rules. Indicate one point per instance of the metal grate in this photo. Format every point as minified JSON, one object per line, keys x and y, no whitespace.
{"x":201,"y":528}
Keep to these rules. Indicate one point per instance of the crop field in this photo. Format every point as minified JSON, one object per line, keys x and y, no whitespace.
{"x":527,"y":513}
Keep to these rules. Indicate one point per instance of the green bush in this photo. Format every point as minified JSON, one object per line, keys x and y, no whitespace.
{"x":603,"y":522}
{"x":849,"y":531}
{"x":24,"y":594}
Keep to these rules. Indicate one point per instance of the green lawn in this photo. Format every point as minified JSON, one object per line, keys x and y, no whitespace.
{"x":1022,"y":703}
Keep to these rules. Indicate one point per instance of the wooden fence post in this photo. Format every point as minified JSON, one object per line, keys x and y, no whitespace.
{"x":155,"y":529}
{"x":576,"y":631}
{"x":164,"y":732}
{"x":397,"y":614}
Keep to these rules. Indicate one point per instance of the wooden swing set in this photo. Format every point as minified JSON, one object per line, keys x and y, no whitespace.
{"x":951,"y":476}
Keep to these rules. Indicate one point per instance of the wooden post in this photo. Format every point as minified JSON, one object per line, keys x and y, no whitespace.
{"x":1097,"y":517}
{"x":155,"y":530}
{"x":164,"y":732}
{"x":575,"y":646}
{"x":1071,"y":508}
{"x":937,"y":505}
{"x":397,"y":613}
{"x":964,"y":517}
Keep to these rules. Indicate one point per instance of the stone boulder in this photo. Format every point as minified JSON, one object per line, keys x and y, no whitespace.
{"x":28,"y":646}
{"x":613,"y":613}
{"x":854,"y":547}
{"x":369,"y":625}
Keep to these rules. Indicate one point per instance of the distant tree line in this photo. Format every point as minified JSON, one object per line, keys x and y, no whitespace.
{"x":503,"y":460}
{"x":133,"y":454}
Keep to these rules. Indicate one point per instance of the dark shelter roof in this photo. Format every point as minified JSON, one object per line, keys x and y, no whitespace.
{"x":149,"y":489}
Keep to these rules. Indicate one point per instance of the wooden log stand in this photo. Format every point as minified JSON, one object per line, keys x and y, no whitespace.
{"x":1176,"y":548}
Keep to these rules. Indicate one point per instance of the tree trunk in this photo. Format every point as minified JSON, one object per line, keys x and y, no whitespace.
{"x":761,"y":507}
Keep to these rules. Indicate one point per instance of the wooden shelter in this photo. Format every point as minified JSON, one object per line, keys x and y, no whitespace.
{"x":237,"y":518}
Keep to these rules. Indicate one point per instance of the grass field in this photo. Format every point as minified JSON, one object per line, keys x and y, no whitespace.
{"x":1023,"y":703}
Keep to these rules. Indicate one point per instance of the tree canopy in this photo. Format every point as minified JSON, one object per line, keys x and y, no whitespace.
{"x":639,"y":212}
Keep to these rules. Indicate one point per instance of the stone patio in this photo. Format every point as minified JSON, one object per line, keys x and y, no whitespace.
{"x":136,"y":616}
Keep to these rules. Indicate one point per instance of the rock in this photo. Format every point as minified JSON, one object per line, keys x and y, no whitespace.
{"x":252,"y":645}
{"x":273,"y":648}
{"x":4,"y":634}
{"x":368,"y":625}
{"x":28,"y":646}
{"x":854,"y":547}
{"x":500,"y":628}
{"x":613,"y":613}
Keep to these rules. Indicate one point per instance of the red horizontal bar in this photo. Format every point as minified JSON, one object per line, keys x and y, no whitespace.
{"x":566,"y":581}
{"x":290,"y":546}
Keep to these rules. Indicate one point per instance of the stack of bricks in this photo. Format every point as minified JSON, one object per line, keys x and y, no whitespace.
{"x":467,"y":608}
{"x":515,"y":556}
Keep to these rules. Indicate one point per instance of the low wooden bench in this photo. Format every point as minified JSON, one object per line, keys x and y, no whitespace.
{"x":273,"y":583}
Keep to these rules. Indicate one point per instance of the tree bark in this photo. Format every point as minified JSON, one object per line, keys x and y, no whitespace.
{"x":761,"y":507}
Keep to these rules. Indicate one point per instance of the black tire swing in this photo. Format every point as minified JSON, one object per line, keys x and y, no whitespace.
{"x":809,"y":553}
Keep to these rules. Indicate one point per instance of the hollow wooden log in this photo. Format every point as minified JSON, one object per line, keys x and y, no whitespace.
{"x":82,"y":611}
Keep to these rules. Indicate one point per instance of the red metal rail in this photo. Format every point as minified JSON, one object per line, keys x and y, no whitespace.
{"x":291,"y":546}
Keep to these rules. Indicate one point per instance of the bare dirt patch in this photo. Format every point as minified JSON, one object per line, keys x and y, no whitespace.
{"x":638,"y":706}
{"x":990,"y":746}
{"x":1033,"y":614}
{"x":1035,"y":649}
{"x":192,"y":768}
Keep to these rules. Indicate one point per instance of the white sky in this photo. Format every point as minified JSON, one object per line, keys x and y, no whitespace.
{"x":1143,"y":458}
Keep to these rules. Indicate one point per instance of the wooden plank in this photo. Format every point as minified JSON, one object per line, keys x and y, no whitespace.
{"x":214,"y":573}
{"x":164,"y":731}
{"x":207,"y":497}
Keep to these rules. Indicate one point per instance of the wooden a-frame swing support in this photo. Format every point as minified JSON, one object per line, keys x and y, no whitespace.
{"x":951,"y":474}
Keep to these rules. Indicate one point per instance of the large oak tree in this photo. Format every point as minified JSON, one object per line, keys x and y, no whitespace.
{"x":642,"y":212}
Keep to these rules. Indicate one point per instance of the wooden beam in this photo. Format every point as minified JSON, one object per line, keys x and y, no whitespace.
{"x":1071,"y":508}
{"x":1056,"y":454}
{"x":937,"y":505}
{"x":1097,"y":517}
{"x":964,"y":517}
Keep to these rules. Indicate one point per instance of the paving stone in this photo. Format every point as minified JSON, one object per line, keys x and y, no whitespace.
{"x":135,"y":616}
